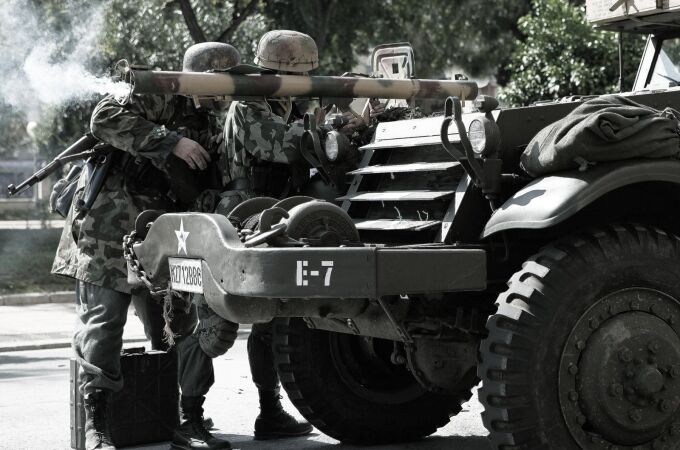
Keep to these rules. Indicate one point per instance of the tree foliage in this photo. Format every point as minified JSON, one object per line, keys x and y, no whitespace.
{"x":444,"y":33}
{"x":562,"y":54}
{"x":466,"y":34}
{"x":156,"y":33}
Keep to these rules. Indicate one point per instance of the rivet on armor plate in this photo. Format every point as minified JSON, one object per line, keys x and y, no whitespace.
{"x":625,"y":355}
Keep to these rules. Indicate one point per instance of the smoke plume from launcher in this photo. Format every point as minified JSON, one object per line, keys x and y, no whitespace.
{"x":35,"y":71}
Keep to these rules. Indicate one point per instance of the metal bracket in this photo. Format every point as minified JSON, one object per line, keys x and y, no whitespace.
{"x":269,"y":226}
{"x":403,"y":334}
{"x":453,"y":111}
{"x":485,"y":174}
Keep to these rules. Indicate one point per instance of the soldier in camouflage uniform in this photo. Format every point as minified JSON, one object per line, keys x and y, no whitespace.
{"x":261,"y":153}
{"x":263,"y":159}
{"x":154,"y":133}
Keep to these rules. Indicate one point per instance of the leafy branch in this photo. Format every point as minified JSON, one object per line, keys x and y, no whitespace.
{"x":240,"y":12}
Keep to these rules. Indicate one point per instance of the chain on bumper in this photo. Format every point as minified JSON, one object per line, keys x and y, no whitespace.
{"x":135,"y":266}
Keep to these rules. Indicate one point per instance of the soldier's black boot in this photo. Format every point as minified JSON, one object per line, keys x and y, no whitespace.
{"x":97,"y":434}
{"x":207,"y":421}
{"x":192,"y":434}
{"x":273,"y":422}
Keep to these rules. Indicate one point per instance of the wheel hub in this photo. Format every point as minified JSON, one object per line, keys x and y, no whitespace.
{"x":621,"y":384}
{"x":620,"y":372}
{"x":649,"y":381}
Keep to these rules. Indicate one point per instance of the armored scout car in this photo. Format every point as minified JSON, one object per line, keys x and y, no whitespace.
{"x":441,"y":263}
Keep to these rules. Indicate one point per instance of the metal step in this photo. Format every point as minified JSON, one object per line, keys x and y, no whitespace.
{"x":408,"y":142}
{"x":402,"y":168}
{"x":396,"y":196}
{"x":396,"y":224}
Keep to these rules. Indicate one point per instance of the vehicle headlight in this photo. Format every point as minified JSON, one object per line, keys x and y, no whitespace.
{"x":477,"y":135}
{"x":336,"y":146}
{"x":484,"y":136}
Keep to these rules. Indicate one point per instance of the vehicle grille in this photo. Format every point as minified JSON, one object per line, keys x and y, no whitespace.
{"x":402,"y":191}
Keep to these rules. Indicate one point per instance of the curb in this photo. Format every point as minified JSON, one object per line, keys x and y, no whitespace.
{"x":65,"y":343}
{"x":36,"y":298}
{"x":48,"y":345}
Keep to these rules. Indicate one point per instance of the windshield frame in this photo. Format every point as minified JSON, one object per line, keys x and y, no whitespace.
{"x":650,"y":59}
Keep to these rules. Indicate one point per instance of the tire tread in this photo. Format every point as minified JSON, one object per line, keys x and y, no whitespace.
{"x":529,"y":300}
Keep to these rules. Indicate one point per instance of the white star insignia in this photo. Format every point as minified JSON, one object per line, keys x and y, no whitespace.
{"x":181,"y":238}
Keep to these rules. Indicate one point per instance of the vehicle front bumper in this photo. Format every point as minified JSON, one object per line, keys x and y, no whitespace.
{"x":231,"y":269}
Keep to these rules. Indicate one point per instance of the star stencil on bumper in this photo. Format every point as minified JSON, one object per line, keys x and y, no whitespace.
{"x":181,"y":238}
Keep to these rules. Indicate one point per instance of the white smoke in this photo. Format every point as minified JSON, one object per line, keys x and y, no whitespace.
{"x":34,"y":72}
{"x":64,"y":82}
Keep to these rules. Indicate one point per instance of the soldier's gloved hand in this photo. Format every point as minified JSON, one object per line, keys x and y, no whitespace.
{"x":353,"y":123}
{"x":375,"y":108}
{"x":56,"y":191}
{"x":192,"y":153}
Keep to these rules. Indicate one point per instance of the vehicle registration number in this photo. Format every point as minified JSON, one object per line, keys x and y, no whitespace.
{"x":186,"y":275}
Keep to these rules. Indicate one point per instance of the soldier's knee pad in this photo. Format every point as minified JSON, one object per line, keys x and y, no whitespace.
{"x":215,"y":334}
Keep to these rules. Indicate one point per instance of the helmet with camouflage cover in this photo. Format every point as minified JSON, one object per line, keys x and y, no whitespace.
{"x":288,"y":51}
{"x":210,"y":56}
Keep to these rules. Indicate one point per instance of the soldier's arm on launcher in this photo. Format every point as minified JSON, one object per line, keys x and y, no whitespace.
{"x":134,"y":128}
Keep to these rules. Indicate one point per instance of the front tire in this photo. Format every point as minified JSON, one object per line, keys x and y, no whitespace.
{"x":342,"y":384}
{"x":584,"y":351}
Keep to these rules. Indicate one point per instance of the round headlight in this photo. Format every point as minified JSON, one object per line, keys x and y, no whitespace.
{"x":331,"y":147}
{"x":477,"y":135}
{"x":336,"y":147}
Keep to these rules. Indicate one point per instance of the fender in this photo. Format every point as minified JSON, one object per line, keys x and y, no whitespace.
{"x":550,"y":200}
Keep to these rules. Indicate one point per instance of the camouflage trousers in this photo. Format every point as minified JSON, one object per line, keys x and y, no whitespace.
{"x":98,"y":340}
{"x":261,"y":357}
{"x":214,"y":336}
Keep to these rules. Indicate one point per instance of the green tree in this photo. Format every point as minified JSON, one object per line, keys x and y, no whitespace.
{"x":562,"y":54}
{"x":444,"y":33}
{"x":466,"y":34}
{"x":156,"y":33}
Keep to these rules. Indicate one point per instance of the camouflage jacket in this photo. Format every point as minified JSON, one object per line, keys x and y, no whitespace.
{"x":148,"y":127}
{"x":256,"y":132}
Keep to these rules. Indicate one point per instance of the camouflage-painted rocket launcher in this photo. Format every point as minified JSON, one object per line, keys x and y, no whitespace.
{"x":225,"y":84}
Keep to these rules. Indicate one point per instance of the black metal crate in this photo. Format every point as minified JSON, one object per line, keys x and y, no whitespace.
{"x":146,"y":410}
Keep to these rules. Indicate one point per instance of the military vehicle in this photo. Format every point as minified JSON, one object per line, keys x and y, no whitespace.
{"x":441,"y":264}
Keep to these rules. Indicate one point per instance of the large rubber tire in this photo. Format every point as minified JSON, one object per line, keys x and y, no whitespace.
{"x":305,"y":363}
{"x":548,"y":384}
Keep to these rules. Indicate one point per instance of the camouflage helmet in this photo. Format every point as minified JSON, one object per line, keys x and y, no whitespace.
{"x":288,"y":51}
{"x":210,"y":56}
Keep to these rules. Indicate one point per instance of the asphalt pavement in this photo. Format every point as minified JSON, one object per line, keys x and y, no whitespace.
{"x":48,"y":325}
{"x":34,"y":391}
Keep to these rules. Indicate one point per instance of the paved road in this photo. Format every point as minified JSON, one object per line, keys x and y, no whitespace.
{"x":48,"y":325}
{"x":34,"y":408}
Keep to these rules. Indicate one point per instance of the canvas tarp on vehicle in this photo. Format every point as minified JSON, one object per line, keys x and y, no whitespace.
{"x":607,"y":128}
